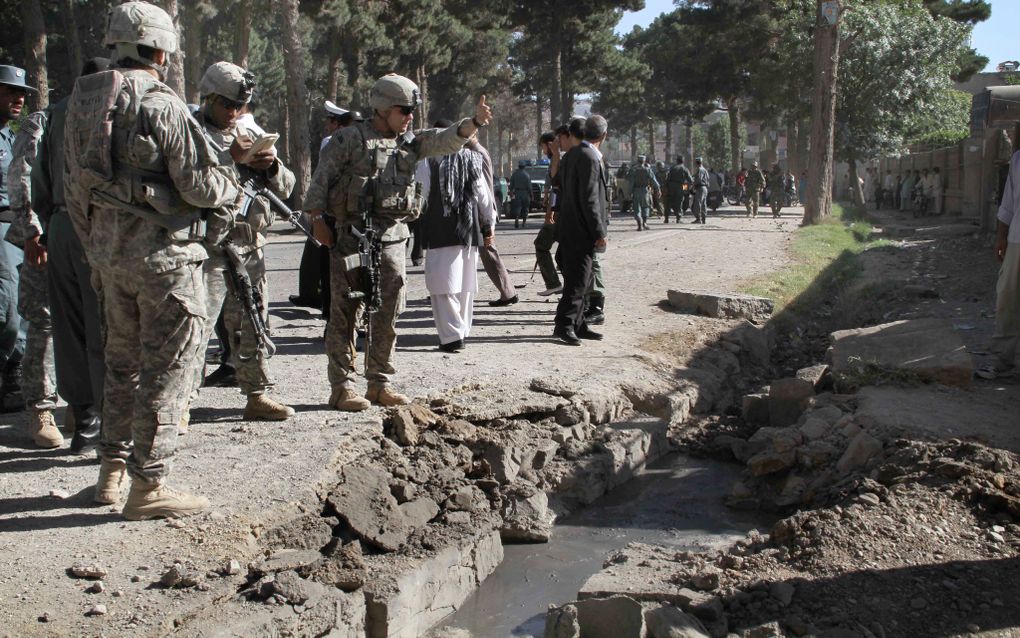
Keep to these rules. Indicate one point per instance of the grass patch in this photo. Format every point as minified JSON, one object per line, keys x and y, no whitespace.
{"x":825,"y":263}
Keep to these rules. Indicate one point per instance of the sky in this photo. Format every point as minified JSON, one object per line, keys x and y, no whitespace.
{"x":995,"y":38}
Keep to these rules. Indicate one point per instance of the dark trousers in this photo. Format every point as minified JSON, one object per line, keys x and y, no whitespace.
{"x":576,"y":266}
{"x":76,"y":313}
{"x":415,"y":228}
{"x":310,"y":273}
{"x":543,"y":255}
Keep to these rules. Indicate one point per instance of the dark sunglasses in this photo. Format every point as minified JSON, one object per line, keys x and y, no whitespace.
{"x":405,"y":110}
{"x":230,"y":104}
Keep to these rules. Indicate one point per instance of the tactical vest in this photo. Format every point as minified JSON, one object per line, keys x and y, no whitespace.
{"x":678,"y":176}
{"x":113,"y":159}
{"x":393,"y":195}
{"x":642,"y":177}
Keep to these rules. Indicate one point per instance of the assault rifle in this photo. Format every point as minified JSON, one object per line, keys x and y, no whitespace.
{"x":250,"y":299}
{"x":255,"y":186}
{"x":369,"y":259}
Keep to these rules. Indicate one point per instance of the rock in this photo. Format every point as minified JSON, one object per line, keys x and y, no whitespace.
{"x":418,"y":512}
{"x":363,"y":500}
{"x":231,"y":568}
{"x":755,"y":408}
{"x":868,"y":498}
{"x":670,"y":622}
{"x":770,"y":462}
{"x":861,"y":449}
{"x":782,"y":591}
{"x":706,"y":580}
{"x":97,"y":587}
{"x":179,"y":577}
{"x":721,"y":305}
{"x":487,"y":403}
{"x":929,"y":348}
{"x":464,"y":499}
{"x":814,"y":428}
{"x":457,"y":518}
{"x":544,"y":454}
{"x":88,"y":570}
{"x":788,"y":398}
{"x":60,"y":494}
{"x":561,"y":622}
{"x":616,"y":617}
{"x":554,"y":386}
{"x":776,"y":439}
{"x":286,"y":559}
{"x":504,"y":462}
{"x":526,"y":515}
{"x":98,"y":609}
{"x":294,"y":589}
{"x":403,"y":491}
{"x":405,"y":430}
{"x":765,"y":630}
{"x":704,"y":606}
{"x":754,"y":342}
{"x":457,"y":430}
{"x":828,"y":413}
{"x":918,"y":603}
{"x":572,"y":415}
{"x":815,"y":375}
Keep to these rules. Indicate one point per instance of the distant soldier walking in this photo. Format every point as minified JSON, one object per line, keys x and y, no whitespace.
{"x":642,"y":183}
{"x":777,"y":190}
{"x":678,"y":186}
{"x":520,"y":194}
{"x":701,"y":179}
{"x":755,"y":184}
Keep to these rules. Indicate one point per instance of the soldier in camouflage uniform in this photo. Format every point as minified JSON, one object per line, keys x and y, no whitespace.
{"x":380,"y":156}
{"x":755,"y":184}
{"x":642,"y":184}
{"x":225,"y":89}
{"x":145,"y":191}
{"x":27,"y":231}
{"x":777,"y":190}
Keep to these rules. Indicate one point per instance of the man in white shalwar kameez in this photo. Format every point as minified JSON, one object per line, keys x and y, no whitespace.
{"x":459,"y":214}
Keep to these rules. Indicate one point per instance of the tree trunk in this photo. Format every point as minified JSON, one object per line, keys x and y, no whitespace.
{"x":733,"y":106}
{"x":333,"y":81}
{"x":35,"y":51}
{"x":568,"y":104}
{"x":669,"y":140}
{"x":803,"y":132}
{"x":633,"y":143}
{"x":74,"y":54}
{"x":297,"y":97}
{"x":823,"y":116}
{"x":538,"y":117}
{"x":651,"y":142}
{"x":175,"y":65}
{"x":193,"y":35}
{"x":423,"y":85}
{"x":856,"y":188}
{"x":243,"y":33}
{"x":556,"y":103}
{"x":792,"y":156}
{"x":689,"y":125}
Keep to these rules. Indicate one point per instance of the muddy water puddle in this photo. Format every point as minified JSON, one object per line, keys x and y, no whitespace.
{"x":677,"y":501}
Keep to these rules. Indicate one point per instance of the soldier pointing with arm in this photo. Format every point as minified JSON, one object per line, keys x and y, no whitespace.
{"x":368,"y":169}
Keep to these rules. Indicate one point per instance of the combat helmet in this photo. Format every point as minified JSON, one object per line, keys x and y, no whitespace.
{"x":394,"y":90}
{"x":228,"y":80}
{"x":135,"y":24}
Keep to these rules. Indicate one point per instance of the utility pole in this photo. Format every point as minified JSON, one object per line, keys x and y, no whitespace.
{"x":823,"y":111}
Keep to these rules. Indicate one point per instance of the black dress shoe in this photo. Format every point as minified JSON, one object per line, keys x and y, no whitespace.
{"x":86,"y":436}
{"x":566,"y":335}
{"x":595,"y":318}
{"x":453,"y":346}
{"x":587,"y":333}
{"x":505,"y":302}
{"x":222,"y":377}
{"x":303,"y":302}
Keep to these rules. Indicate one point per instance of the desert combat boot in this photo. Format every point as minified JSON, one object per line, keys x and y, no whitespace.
{"x":385,"y":396}
{"x":154,"y":500}
{"x":261,"y":408}
{"x":347,"y":400}
{"x":43,"y":429}
{"x":111,"y":478}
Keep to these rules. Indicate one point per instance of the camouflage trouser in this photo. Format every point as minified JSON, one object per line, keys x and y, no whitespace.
{"x":38,"y":373}
{"x":753,"y":201}
{"x":154,"y":324}
{"x":252,"y":369}
{"x":340,"y":331}
{"x":776,"y":201}
{"x":543,"y":255}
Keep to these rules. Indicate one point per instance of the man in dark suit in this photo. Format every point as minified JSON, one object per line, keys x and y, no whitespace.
{"x":581,"y":228}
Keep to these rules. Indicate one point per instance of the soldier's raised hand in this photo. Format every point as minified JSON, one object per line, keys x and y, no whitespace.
{"x":483,"y":113}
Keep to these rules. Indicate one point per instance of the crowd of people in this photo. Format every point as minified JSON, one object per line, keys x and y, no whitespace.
{"x":921,"y":191}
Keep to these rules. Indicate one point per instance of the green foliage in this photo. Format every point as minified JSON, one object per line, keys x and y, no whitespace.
{"x":1011,"y":79}
{"x":894,"y":78}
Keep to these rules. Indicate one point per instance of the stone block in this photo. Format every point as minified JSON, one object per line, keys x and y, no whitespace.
{"x":722,"y":305}
{"x":770,"y":462}
{"x":815,"y":375}
{"x":929,"y":348}
{"x":526,"y":515}
{"x":788,"y":398}
{"x":670,"y":622}
{"x":561,"y":622}
{"x":755,"y":408}
{"x":616,"y":617}
{"x":861,"y":449}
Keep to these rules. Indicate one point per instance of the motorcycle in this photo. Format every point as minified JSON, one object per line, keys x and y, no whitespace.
{"x":714,"y":200}
{"x":736,"y":195}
